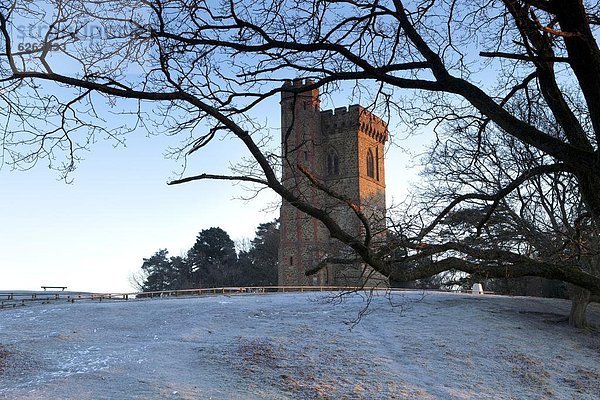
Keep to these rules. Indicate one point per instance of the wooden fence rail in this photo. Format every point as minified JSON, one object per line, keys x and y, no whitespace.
{"x":14,"y":299}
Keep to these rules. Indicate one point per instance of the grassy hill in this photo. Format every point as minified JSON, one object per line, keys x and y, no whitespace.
{"x":299,"y":346}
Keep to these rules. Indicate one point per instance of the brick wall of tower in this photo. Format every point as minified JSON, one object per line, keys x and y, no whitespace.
{"x":303,"y":239}
{"x":339,"y":128}
{"x":354,"y":131}
{"x":308,"y":135}
{"x":372,"y":136}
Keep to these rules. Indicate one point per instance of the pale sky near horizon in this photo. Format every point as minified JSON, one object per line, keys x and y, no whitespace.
{"x":93,"y":233}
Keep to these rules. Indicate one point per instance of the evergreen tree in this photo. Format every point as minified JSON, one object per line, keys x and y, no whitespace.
{"x":212,"y":260}
{"x":259,"y":264}
{"x":159,"y":272}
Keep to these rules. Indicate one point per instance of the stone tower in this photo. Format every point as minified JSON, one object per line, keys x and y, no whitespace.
{"x":344,"y":149}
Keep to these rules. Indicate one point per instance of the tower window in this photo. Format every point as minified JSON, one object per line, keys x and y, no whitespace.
{"x":333,"y":163}
{"x":370,"y":164}
{"x":305,"y":155}
{"x":291,"y":260}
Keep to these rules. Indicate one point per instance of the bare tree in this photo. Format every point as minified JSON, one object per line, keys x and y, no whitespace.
{"x":541,"y":218}
{"x":525,"y":70}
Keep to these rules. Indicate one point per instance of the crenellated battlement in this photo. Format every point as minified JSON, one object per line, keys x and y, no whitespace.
{"x":298,"y":82}
{"x":354,"y":118}
{"x":297,"y":88}
{"x":340,"y":119}
{"x":342,"y":112}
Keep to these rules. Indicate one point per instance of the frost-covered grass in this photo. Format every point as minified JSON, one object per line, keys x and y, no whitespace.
{"x":298,"y":346}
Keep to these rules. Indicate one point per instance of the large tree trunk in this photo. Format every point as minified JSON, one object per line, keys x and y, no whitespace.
{"x":580,"y":298}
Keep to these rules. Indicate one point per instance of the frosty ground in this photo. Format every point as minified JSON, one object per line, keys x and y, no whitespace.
{"x":299,"y":346}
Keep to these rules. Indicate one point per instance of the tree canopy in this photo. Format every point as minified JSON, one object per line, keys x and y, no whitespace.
{"x":213,"y":262}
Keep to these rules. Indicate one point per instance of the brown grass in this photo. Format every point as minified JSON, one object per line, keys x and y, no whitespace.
{"x":4,"y":354}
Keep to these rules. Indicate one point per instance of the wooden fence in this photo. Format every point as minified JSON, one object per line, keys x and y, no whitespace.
{"x":14,"y":299}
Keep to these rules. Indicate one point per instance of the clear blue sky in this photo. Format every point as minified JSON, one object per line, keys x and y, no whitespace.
{"x":90,"y":235}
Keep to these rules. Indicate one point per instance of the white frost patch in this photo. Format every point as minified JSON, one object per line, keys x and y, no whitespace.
{"x":83,"y":363}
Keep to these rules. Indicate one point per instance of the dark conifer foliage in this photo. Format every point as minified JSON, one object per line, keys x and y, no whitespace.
{"x":213,"y":262}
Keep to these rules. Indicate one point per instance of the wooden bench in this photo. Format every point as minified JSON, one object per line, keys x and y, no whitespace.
{"x":62,"y":288}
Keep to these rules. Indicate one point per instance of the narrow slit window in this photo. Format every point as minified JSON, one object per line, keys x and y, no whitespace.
{"x":333,"y":163}
{"x":370,"y":164}
{"x":291,"y":260}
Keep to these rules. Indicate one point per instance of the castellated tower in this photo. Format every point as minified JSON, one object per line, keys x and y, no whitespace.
{"x":344,"y":149}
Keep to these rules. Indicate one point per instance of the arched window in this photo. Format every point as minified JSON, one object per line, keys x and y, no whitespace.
{"x":333,"y":163}
{"x":370,"y":164}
